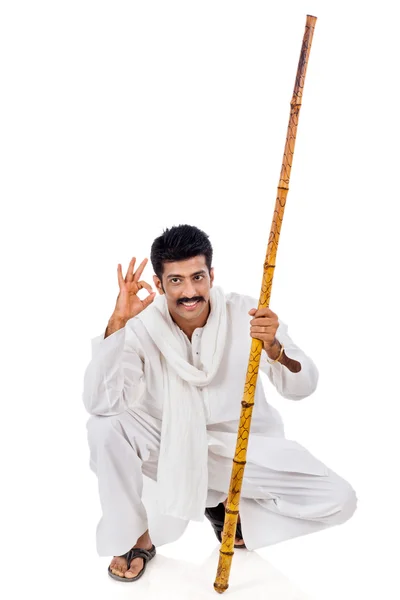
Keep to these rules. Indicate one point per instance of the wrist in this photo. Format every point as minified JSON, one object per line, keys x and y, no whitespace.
{"x":274,"y":351}
{"x":115,"y":324}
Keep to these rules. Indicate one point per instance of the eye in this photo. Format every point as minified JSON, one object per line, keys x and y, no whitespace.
{"x":198,"y":277}
{"x":174,"y":280}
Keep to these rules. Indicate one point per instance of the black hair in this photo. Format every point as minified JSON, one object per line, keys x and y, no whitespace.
{"x":180,"y":243}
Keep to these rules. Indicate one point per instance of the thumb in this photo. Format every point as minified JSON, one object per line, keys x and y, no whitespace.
{"x":252,"y":311}
{"x":147,"y":301}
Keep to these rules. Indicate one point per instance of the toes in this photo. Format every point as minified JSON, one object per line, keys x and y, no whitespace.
{"x":239,"y":542}
{"x":135,"y":568}
{"x":118,"y":567}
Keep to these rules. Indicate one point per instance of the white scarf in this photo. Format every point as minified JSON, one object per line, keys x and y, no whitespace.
{"x":182,"y":474}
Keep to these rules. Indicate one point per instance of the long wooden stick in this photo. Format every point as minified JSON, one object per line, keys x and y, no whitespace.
{"x":239,"y":461}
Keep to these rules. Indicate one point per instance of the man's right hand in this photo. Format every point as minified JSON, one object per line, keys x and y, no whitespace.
{"x":128,"y":303}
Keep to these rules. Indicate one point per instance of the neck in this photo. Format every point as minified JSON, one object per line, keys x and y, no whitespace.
{"x":188,"y":327}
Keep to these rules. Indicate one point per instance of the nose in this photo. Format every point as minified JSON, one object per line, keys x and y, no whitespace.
{"x":189,"y":290}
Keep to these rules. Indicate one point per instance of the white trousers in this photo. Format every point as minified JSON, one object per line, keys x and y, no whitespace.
{"x":275,"y":505}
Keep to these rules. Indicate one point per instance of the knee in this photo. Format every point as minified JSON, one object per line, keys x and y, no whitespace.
{"x":346,"y":501}
{"x":102,"y":433}
{"x":100,"y":429}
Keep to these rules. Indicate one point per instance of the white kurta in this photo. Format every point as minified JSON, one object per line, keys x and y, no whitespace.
{"x":124,"y":383}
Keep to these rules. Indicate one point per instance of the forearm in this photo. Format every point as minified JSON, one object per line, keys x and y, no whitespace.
{"x":104,"y":378}
{"x":114,"y":373}
{"x":294,"y":375}
{"x":114,"y":325}
{"x":277,"y":353}
{"x":292,"y":384}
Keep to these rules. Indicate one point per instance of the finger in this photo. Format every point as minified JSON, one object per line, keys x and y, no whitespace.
{"x":147,"y":301}
{"x":252,"y":311}
{"x":129,"y":273}
{"x":264,"y":321}
{"x":263,"y":337}
{"x":265,"y":312}
{"x":263,"y":330}
{"x":121,"y":280}
{"x":145,"y":285}
{"x":140,"y":270}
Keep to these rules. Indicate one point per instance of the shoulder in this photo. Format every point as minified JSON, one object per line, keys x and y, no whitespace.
{"x":240,"y":301}
{"x":239,"y":304}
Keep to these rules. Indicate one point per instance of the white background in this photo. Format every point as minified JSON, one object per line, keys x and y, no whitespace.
{"x":119,"y":119}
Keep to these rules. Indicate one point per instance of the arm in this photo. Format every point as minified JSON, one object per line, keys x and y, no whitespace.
{"x":113,"y":379}
{"x":295,"y":375}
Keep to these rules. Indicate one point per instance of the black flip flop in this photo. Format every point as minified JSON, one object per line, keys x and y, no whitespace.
{"x":216,"y":516}
{"x":135,"y":553}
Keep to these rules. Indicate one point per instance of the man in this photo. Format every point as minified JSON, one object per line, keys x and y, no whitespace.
{"x":164,"y":388}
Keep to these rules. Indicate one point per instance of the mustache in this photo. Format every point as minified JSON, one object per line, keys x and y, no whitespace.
{"x":194,"y":299}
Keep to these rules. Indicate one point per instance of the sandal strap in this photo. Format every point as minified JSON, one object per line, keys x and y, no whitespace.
{"x":138,"y":553}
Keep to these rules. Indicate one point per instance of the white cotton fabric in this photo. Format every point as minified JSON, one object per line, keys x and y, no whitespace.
{"x":184,"y":443}
{"x":286,"y":490}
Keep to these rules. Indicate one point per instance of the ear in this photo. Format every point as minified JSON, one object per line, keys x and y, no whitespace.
{"x":158,"y":284}
{"x":211,"y":277}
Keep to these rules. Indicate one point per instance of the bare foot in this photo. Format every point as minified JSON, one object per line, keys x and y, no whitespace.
{"x":238,"y":541}
{"x":119,"y":565}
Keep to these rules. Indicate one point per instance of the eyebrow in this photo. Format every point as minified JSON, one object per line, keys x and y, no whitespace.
{"x":202,"y":272}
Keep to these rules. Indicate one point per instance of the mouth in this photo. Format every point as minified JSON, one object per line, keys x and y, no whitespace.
{"x":190,"y":306}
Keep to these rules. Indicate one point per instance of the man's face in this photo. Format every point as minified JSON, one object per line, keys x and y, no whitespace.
{"x":187,"y":285}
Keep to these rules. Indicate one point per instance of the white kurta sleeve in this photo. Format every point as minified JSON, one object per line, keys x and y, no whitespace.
{"x":114,"y":379}
{"x":293,"y":386}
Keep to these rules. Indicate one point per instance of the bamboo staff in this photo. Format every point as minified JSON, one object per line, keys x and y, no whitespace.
{"x":239,"y":461}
